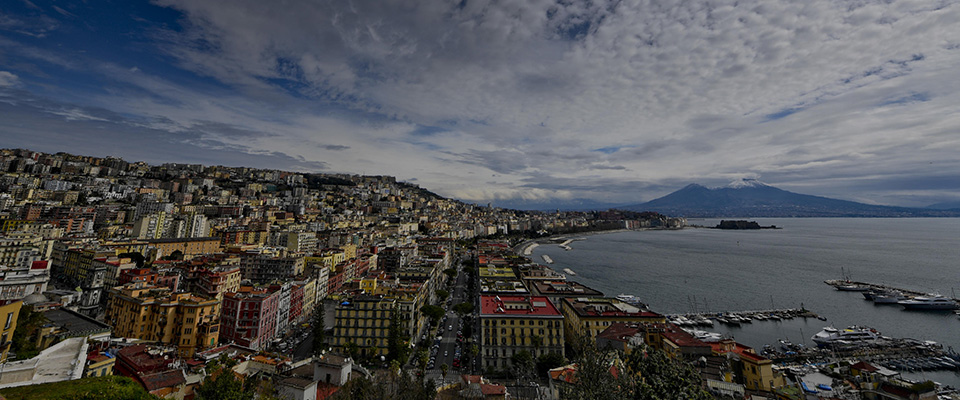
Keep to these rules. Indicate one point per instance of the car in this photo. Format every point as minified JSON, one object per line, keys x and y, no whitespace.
{"x":456,"y":363}
{"x":446,"y":353}
{"x":450,"y":328}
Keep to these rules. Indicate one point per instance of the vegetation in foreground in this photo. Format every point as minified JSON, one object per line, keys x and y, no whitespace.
{"x":93,"y":388}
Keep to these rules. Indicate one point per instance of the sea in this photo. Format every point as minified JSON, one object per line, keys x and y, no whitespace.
{"x":712,"y":270}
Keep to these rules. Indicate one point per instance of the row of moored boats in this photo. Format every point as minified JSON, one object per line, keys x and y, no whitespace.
{"x":930,"y":302}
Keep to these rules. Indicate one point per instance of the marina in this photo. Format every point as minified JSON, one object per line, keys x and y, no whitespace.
{"x":909,"y":299}
{"x":737,"y":318}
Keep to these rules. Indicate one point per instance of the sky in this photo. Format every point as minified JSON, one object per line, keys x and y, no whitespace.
{"x":509,"y":102}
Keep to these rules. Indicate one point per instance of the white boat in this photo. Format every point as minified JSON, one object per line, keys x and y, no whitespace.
{"x":855,"y":334}
{"x":932,"y":302}
{"x":631,"y":300}
{"x":547,"y":259}
{"x":891,"y":297}
{"x":569,"y":271}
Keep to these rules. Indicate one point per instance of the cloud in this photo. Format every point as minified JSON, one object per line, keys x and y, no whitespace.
{"x":620,"y":100}
{"x":8,"y":79}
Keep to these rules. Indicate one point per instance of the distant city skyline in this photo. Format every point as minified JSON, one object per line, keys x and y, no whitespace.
{"x":535,"y":102}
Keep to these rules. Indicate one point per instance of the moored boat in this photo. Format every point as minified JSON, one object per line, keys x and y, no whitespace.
{"x":852,"y":335}
{"x":929,"y":303}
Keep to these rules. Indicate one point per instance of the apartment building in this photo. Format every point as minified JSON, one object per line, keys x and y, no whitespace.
{"x":364,"y":321}
{"x":510,"y":324}
{"x":588,"y":316}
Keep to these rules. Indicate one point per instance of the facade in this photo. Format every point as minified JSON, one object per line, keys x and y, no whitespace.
{"x":155,"y":313}
{"x":510,"y":324}
{"x":753,"y":371}
{"x":588,"y":316}
{"x":365,"y":322}
{"x":249,"y":317}
{"x":9,"y":311}
{"x":190,"y":247}
{"x":19,"y":282}
{"x":263,"y":268}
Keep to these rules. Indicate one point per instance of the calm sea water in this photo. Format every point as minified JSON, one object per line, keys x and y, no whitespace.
{"x":713,"y":270}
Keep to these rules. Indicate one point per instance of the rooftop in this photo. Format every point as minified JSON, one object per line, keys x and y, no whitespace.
{"x":517,"y":306}
{"x":563,"y":288}
{"x":606,"y":307}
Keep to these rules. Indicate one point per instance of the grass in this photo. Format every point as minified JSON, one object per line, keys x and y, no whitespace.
{"x":101,"y":387}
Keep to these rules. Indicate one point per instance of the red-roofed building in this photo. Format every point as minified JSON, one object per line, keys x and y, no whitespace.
{"x":588,"y":316}
{"x":753,"y":371}
{"x":511,"y":324}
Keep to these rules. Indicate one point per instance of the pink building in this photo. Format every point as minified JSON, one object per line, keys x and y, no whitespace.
{"x":249,"y":317}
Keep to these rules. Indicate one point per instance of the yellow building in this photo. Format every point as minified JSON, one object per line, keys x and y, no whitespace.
{"x":365,"y":322}
{"x":753,"y":371}
{"x":147,"y":312}
{"x":9,"y":311}
{"x":510,"y":324}
{"x":588,"y":316}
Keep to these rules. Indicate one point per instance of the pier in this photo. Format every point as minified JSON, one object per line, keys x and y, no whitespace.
{"x":739,"y":317}
{"x":841,"y":284}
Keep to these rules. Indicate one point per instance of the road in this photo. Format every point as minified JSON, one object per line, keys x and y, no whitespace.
{"x":448,"y":341}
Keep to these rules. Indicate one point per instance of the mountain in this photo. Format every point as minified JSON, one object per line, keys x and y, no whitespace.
{"x":950,"y":205}
{"x":752,"y":198}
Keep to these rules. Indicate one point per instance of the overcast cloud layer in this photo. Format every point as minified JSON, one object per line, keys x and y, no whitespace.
{"x":618,"y":101}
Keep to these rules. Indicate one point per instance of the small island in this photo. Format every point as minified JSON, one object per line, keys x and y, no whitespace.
{"x":741,"y":224}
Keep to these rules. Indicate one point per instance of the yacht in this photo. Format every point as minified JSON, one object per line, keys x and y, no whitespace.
{"x":890,"y":297}
{"x":855,"y":334}
{"x":933,"y":302}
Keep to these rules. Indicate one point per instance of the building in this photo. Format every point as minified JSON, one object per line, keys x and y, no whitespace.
{"x":510,"y":324}
{"x":588,"y":316}
{"x":147,"y":312}
{"x":559,"y":289}
{"x":9,"y":311}
{"x":363,"y":321}
{"x":19,"y":282}
{"x":249,"y":317}
{"x":189,"y":247}
{"x":753,"y":371}
{"x":265,"y":268}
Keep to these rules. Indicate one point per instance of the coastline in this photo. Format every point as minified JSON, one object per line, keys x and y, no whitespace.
{"x":521,"y":248}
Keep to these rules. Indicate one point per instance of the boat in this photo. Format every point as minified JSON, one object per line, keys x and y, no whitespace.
{"x":852,"y":287}
{"x":889,"y":297}
{"x":569,"y":271}
{"x":547,"y":259}
{"x":631,"y":300}
{"x":830,"y":336}
{"x":929,"y":303}
{"x":870,"y":294}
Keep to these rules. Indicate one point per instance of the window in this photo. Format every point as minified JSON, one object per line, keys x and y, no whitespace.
{"x":9,"y":321}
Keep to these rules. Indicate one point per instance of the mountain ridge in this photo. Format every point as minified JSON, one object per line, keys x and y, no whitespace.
{"x":752,"y":198}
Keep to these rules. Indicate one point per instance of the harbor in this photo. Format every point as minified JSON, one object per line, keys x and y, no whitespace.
{"x":909,"y":299}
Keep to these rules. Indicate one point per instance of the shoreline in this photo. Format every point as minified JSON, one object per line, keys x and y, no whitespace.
{"x":521,"y":249}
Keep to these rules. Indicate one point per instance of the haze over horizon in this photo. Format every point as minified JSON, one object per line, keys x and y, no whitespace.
{"x":534,"y":101}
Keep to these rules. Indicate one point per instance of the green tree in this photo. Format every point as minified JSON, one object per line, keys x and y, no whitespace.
{"x":662,"y":377}
{"x":593,"y":378}
{"x":318,"y":329}
{"x":443,"y":370}
{"x":442,"y":294}
{"x":548,"y":361}
{"x":222,"y":384}
{"x":24,"y":336}
{"x":524,"y":365}
{"x":451,"y":272}
{"x":397,"y":348}
{"x":434,"y":312}
{"x":463,"y":309}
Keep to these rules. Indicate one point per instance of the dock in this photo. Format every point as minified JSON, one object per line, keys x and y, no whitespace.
{"x":738,"y":317}
{"x":838,"y":283}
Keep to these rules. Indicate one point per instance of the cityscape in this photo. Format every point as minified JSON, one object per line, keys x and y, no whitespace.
{"x":191,"y":280}
{"x":479,"y":199}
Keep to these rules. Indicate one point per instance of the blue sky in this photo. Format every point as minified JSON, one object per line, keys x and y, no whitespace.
{"x":526,"y":101}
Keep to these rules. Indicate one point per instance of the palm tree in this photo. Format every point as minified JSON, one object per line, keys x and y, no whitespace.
{"x":443,"y":371}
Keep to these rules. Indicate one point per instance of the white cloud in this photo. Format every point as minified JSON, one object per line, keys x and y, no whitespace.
{"x":535,"y":99}
{"x":8,"y":79}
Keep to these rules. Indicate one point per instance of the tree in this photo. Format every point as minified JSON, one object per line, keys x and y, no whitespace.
{"x":443,"y":371}
{"x":662,"y":377}
{"x":463,"y":309}
{"x":442,"y":294}
{"x":598,"y":374}
{"x":434,"y":312}
{"x":25,"y":335}
{"x":318,"y":329}
{"x":548,"y":361}
{"x":222,"y":385}
{"x":397,"y":348}
{"x":523,"y":365}
{"x":451,"y":272}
